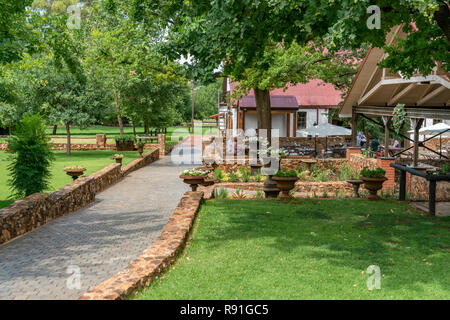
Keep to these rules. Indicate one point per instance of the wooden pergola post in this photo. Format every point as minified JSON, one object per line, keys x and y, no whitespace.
{"x":387,"y":123}
{"x":354,"y":127}
{"x":417,"y":124}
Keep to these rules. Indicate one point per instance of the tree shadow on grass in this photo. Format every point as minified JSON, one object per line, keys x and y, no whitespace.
{"x":413,"y":249}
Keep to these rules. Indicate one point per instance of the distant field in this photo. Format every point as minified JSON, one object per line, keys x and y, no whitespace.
{"x":92,"y":160}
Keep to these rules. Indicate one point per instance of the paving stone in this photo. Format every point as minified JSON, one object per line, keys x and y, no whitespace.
{"x":101,"y":239}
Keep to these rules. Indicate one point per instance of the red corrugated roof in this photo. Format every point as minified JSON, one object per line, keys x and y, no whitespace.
{"x":276,"y":102}
{"x":315,"y":93}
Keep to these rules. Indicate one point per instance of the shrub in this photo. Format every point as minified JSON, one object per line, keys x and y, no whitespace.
{"x":124,"y":139}
{"x":284,"y":173}
{"x":377,"y":173}
{"x":141,"y":143}
{"x":221,"y":193}
{"x":346,"y":173}
{"x":31,"y":158}
{"x":232,"y":176}
{"x":218,"y":174}
{"x":258,"y":177}
{"x":259,"y":194}
{"x":246,"y":174}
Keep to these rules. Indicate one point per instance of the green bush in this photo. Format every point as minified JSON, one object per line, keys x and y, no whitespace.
{"x":246,"y":174}
{"x":232,"y":176}
{"x":377,"y":173}
{"x":221,"y":193}
{"x":31,"y":158}
{"x":347,"y":173}
{"x":284,"y":173}
{"x":124,"y":139}
{"x":218,"y":174}
{"x":258,"y":177}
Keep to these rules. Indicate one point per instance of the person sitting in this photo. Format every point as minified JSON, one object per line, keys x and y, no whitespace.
{"x":323,"y":154}
{"x":374,"y":145}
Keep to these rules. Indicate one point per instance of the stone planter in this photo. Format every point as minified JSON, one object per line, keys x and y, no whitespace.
{"x":193,"y":181}
{"x":118,"y":160}
{"x":74,"y":173}
{"x":373,"y":185}
{"x":125,"y":146}
{"x":356,"y":184}
{"x":285,"y":184}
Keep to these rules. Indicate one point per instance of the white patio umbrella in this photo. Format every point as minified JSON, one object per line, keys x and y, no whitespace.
{"x":324,"y":130}
{"x":441,"y":129}
{"x":438,"y":128}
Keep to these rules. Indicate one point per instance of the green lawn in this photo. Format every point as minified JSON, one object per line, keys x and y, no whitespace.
{"x":173,"y":133}
{"x":92,"y":160}
{"x":309,"y":249}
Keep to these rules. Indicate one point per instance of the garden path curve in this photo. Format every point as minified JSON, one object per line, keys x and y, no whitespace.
{"x":74,"y":253}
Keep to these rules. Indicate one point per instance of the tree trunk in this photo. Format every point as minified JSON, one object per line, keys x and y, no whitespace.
{"x":134,"y":129}
{"x":146,"y":127}
{"x":119,"y":117}
{"x":10,"y":130}
{"x":55,"y":127}
{"x":263,"y":111}
{"x":68,"y":139}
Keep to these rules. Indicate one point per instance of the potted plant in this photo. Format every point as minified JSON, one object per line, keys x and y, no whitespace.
{"x":209,"y":180}
{"x":194,"y":177}
{"x":74,"y":171}
{"x":118,"y":158}
{"x":140,"y":147}
{"x":124,"y":142}
{"x":373,"y":181}
{"x":285,"y":180}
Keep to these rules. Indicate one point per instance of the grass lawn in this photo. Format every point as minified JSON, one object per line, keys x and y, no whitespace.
{"x":309,"y":249}
{"x":92,"y":160}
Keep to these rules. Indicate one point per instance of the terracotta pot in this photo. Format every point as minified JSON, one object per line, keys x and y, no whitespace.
{"x":74,"y":173}
{"x":285,"y":184}
{"x":193,"y":181}
{"x":373,"y":185}
{"x":119,"y":160}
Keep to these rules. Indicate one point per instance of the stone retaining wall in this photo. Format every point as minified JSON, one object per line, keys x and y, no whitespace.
{"x":303,"y":188}
{"x":155,"y":259}
{"x":38,"y":209}
{"x":357,"y":162}
{"x":291,"y":162}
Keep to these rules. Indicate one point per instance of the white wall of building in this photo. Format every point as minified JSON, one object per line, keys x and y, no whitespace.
{"x":311,"y":116}
{"x":278,"y":122}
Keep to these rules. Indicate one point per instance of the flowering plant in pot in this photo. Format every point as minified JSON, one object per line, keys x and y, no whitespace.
{"x":118,"y":158}
{"x":74,"y":171}
{"x":140,"y":147}
{"x":194,"y":177}
{"x":373,"y":181}
{"x":285,"y":180}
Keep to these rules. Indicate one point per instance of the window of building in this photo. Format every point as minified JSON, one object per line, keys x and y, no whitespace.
{"x":301,"y":120}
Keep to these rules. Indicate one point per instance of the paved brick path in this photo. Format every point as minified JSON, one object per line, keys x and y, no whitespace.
{"x":99,"y":240}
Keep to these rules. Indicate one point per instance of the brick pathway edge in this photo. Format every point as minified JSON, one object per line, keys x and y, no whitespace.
{"x":155,"y":259}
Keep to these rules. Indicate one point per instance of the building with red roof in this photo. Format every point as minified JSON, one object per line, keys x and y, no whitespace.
{"x":298,"y":107}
